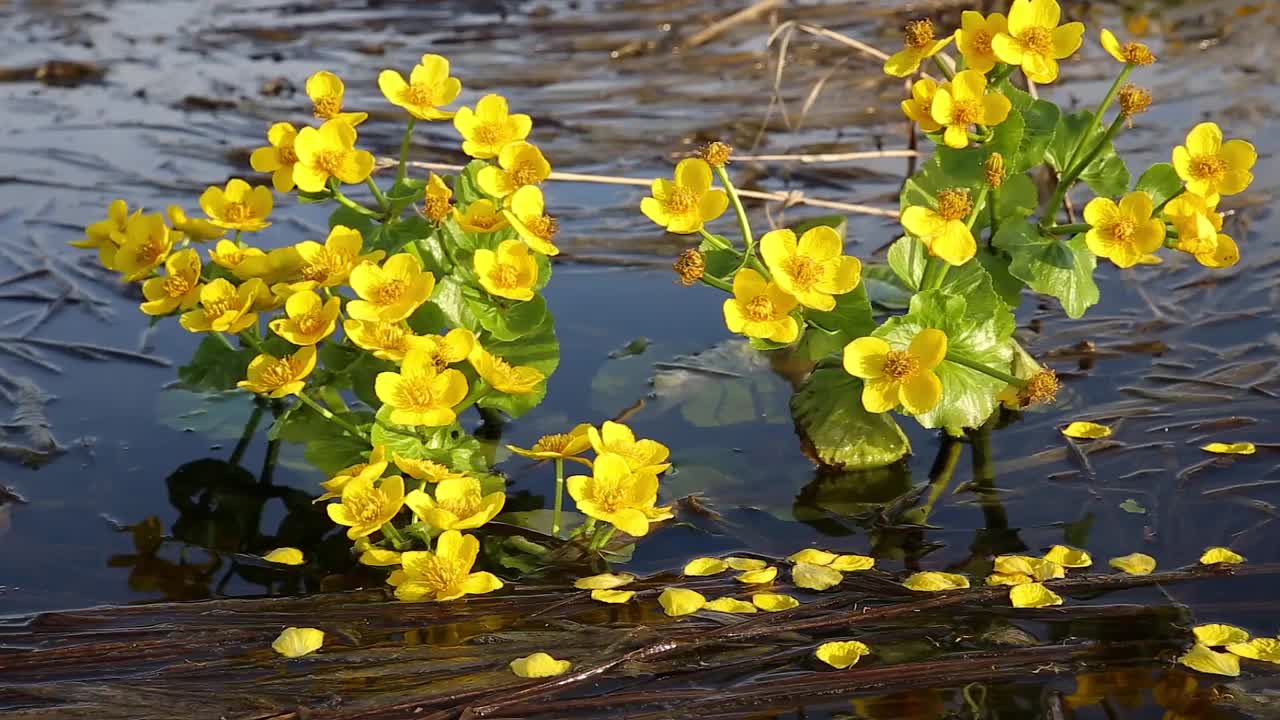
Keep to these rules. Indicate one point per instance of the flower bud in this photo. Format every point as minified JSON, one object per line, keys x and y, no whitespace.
{"x":994,"y":168}
{"x":717,"y":154}
{"x":690,"y":266}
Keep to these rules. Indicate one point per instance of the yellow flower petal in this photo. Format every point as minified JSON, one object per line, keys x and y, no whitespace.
{"x":1219,"y":634}
{"x":612,"y":597}
{"x":1207,"y":661}
{"x":703,"y":566}
{"x":1220,"y":555}
{"x":815,"y":577}
{"x":935,"y":582}
{"x":774,"y":602}
{"x":742,"y":564}
{"x":1069,"y":557}
{"x":842,"y":654}
{"x":730,"y":605}
{"x":756,"y":577}
{"x":1237,"y":448}
{"x":679,"y":601}
{"x":539,"y":665}
{"x":1009,"y":579}
{"x":296,"y":642}
{"x":284,"y":556}
{"x":852,"y":563}
{"x":1265,"y":649}
{"x":813,"y":556}
{"x":1134,"y":563}
{"x":604,"y":581}
{"x":1086,"y":431}
{"x":1033,"y":595}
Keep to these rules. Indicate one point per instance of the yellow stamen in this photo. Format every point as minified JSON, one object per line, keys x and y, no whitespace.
{"x":420,"y":95}
{"x":680,"y":200}
{"x":717,"y":154}
{"x":329,"y":161}
{"x":1208,"y":167}
{"x":966,"y":112}
{"x":690,"y":266}
{"x":524,"y":174}
{"x":505,"y":276}
{"x":328,"y":106}
{"x":901,"y":365}
{"x":438,"y":208}
{"x":1122,"y":229}
{"x":982,"y":42}
{"x":1137,"y":53}
{"x":1037,"y":40}
{"x":804,"y":272}
{"x":389,"y":292}
{"x":235,"y":212}
{"x":918,"y":33}
{"x":488,"y":133}
{"x":1134,"y":100}
{"x":544,"y":226}
{"x":954,"y":204}
{"x":760,"y":309}
{"x":994,"y":170}
{"x":288,"y":155}
{"x":176,"y":286}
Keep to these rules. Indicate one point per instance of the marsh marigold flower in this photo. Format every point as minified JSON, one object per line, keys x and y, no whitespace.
{"x":329,"y":265}
{"x":503,"y":376}
{"x":109,"y":231}
{"x":445,"y":350}
{"x":147,"y":242}
{"x":526,"y":211}
{"x":559,"y":446}
{"x":919,"y":108}
{"x":1211,"y":167}
{"x":179,"y":290}
{"x":511,"y":272}
{"x":370,"y":470}
{"x":1199,"y":227}
{"x":438,"y":203}
{"x":327,"y":93}
{"x":224,"y":307}
{"x":329,"y":151}
{"x":974,"y":37}
{"x":761,"y":309}
{"x":419,"y":394}
{"x":967,"y":103}
{"x":520,"y":163}
{"x":429,"y":87}
{"x":685,"y":203}
{"x":898,"y":377}
{"x":386,"y":340}
{"x":1035,"y":41}
{"x":279,"y":157}
{"x":367,"y":504}
{"x":308,"y":318}
{"x":425,"y":470}
{"x":194,"y":229}
{"x":392,"y":291}
{"x":1132,"y":53}
{"x":919,"y":44}
{"x":279,"y":377}
{"x":814,"y":268}
{"x":615,"y":438}
{"x":484,"y":216}
{"x":488,"y":128}
{"x":944,"y":231}
{"x":1125,"y":232}
{"x":458,"y":504}
{"x":278,"y":265}
{"x":444,"y":574}
{"x":230,"y":254}
{"x":616,"y":494}
{"x":239,"y":206}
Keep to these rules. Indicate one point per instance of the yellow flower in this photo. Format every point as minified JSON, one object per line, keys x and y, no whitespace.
{"x":966,"y":103}
{"x":392,"y":292}
{"x":975,"y":36}
{"x":366,"y":507}
{"x":425,"y":470}
{"x":935,"y":582}
{"x":898,"y":377}
{"x":277,"y":266}
{"x":429,"y":87}
{"x":224,"y":307}
{"x":841,"y":655}
{"x":617,"y":439}
{"x":1134,"y":563}
{"x":329,"y":152}
{"x":526,"y":211}
{"x":194,"y":229}
{"x":239,"y":206}
{"x":511,"y":272}
{"x":815,"y":577}
{"x":773,"y":602}
{"x":280,"y":377}
{"x":703,"y":566}
{"x":445,"y":350}
{"x":679,"y":601}
{"x":919,"y":109}
{"x":1199,"y":226}
{"x":329,"y":265}
{"x":812,"y":269}
{"x":919,"y":45}
{"x":502,"y":376}
{"x":616,"y":494}
{"x":438,"y":203}
{"x":1211,"y":167}
{"x":457,"y":505}
{"x":604,"y":581}
{"x":730,"y":605}
{"x":147,"y":242}
{"x":1035,"y":41}
{"x":419,"y":394}
{"x":761,"y":309}
{"x":231,"y":255}
{"x":1123,"y":232}
{"x":285,"y":556}
{"x":1221,"y":448}
{"x":481,"y":216}
{"x":326,"y":91}
{"x":309,"y":320}
{"x":1081,"y":430}
{"x":1033,"y":595}
{"x":944,"y":231}
{"x":539,"y":665}
{"x":1132,"y":53}
{"x":1216,"y":555}
{"x":559,"y":446}
{"x":279,"y":157}
{"x":295,"y":642}
{"x":487,"y":129}
{"x":387,"y":341}
{"x":180,"y":290}
{"x":444,"y":574}
{"x":519,"y":163}
{"x":1069,"y":557}
{"x":109,"y":231}
{"x":373,"y":467}
{"x":1205,"y":660}
{"x":685,"y":203}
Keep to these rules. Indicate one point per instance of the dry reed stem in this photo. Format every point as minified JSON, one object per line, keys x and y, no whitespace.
{"x":718,"y":28}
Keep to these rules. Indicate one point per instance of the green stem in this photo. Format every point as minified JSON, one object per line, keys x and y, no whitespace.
{"x":250,"y":428}
{"x":985,"y":370}
{"x":946,"y":71}
{"x":333,"y":398}
{"x":1073,"y":229}
{"x":1097,"y":114}
{"x":393,"y":535}
{"x":1001,"y":73}
{"x":226,"y":343}
{"x":324,"y":412}
{"x":1066,"y":180}
{"x":348,"y":202}
{"x":403,"y":170}
{"x":555,"y":514}
{"x":991,"y":215}
{"x":977,"y":206}
{"x":600,"y":538}
{"x":377,"y":193}
{"x":1167,"y":200}
{"x":934,"y":272}
{"x":748,"y":239}
{"x":716,"y":240}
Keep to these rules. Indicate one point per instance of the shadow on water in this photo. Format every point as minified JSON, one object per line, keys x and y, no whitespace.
{"x":117,"y":491}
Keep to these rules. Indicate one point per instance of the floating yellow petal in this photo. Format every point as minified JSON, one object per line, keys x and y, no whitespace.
{"x":604,"y":581}
{"x":1033,"y":595}
{"x":1236,"y":448}
{"x":841,"y":655}
{"x":742,"y":564}
{"x":1134,"y":563}
{"x":1038,"y":568}
{"x":678,"y":601}
{"x":613,"y":597}
{"x":814,"y":556}
{"x":852,"y":563}
{"x":1219,"y":634}
{"x":296,"y":642}
{"x":936,"y":582}
{"x":1265,"y":649}
{"x":815,"y":577}
{"x":774,"y":602}
{"x":539,"y":665}
{"x":1009,"y":579}
{"x":730,"y":605}
{"x":1086,"y":431}
{"x":703,"y":566}
{"x":1207,"y":661}
{"x":1220,"y":555}
{"x":1069,"y":557}
{"x":756,"y":577}
{"x":284,"y":556}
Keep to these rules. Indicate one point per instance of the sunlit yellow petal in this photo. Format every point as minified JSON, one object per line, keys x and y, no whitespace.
{"x":933,"y":581}
{"x":1215,"y":555}
{"x":774,"y":602}
{"x":1134,"y":563}
{"x":604,"y":581}
{"x":842,"y":654}
{"x":1033,"y":595}
{"x":1219,"y":634}
{"x":700,"y":567}
{"x":815,"y":577}
{"x":1236,"y":448}
{"x":730,"y":605}
{"x":1205,"y":660}
{"x":296,"y":642}
{"x":539,"y":665}
{"x":613,"y":597}
{"x":1069,"y":557}
{"x":680,"y":601}
{"x":1086,"y":430}
{"x":285,"y":556}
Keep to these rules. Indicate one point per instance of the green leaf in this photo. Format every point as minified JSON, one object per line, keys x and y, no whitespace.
{"x":885,"y":289}
{"x":850,"y":318}
{"x":449,"y":298}
{"x":1133,"y":506}
{"x":539,"y":350}
{"x":465,"y":188}
{"x":1017,"y":197}
{"x":978,"y":334}
{"x":449,"y":445}
{"x":1008,"y":287}
{"x":404,"y":193}
{"x":967,"y":166}
{"x":1161,"y":182}
{"x":214,"y":366}
{"x":908,"y":257}
{"x":922,"y":188}
{"x":1050,"y":266}
{"x":1040,"y":120}
{"x":396,"y":236}
{"x":506,"y":319}
{"x":1107,"y":175}
{"x":721,"y":263}
{"x":839,"y":223}
{"x":333,"y":453}
{"x":830,"y":418}
{"x":352,"y":219}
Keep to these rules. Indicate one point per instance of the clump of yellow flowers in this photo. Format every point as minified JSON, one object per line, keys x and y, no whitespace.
{"x":423,"y":301}
{"x":977,"y":232}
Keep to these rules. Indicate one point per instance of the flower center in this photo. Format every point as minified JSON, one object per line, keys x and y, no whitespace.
{"x":982,"y":42}
{"x":954,"y":204}
{"x":966,"y":112}
{"x":236,"y":212}
{"x":389,"y":292}
{"x":278,"y":373}
{"x":804,"y":271}
{"x":490,"y":133}
{"x":505,"y":276}
{"x":680,"y":200}
{"x":218,"y":307}
{"x":1042,"y":387}
{"x":287,"y":154}
{"x":611,"y":496}
{"x":482,"y":221}
{"x":555,"y":443}
{"x":176,"y":286}
{"x":437,"y":208}
{"x":330,"y":161}
{"x":1137,"y":53}
{"x":151,"y":252}
{"x":759,"y":309}
{"x":1134,"y":100}
{"x":901,"y":365}
{"x":413,"y":392}
{"x":461,"y":507}
{"x":544,"y":226}
{"x":390,"y":337}
{"x":328,"y":106}
{"x":918,"y":33}
{"x":420,"y":95}
{"x":1122,"y":229}
{"x":326,"y":264}
{"x":525,"y":173}
{"x":365,"y":507}
{"x":308,"y":323}
{"x":438,"y":573}
{"x":1037,"y":40}
{"x":1208,"y":167}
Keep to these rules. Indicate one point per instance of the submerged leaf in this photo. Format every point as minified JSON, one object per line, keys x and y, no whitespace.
{"x":1134,"y":563}
{"x":1086,"y":431}
{"x":295,"y":642}
{"x":539,"y":665}
{"x":1219,"y":634}
{"x":842,"y":654}
{"x":1207,"y":661}
{"x":815,"y":577}
{"x":679,"y":601}
{"x":1215,"y":555}
{"x":1033,"y":595}
{"x":1236,"y":448}
{"x":730,"y":605}
{"x":774,"y":602}
{"x":935,"y":582}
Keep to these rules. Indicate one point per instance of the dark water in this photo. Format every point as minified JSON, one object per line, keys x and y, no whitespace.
{"x":189,"y":88}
